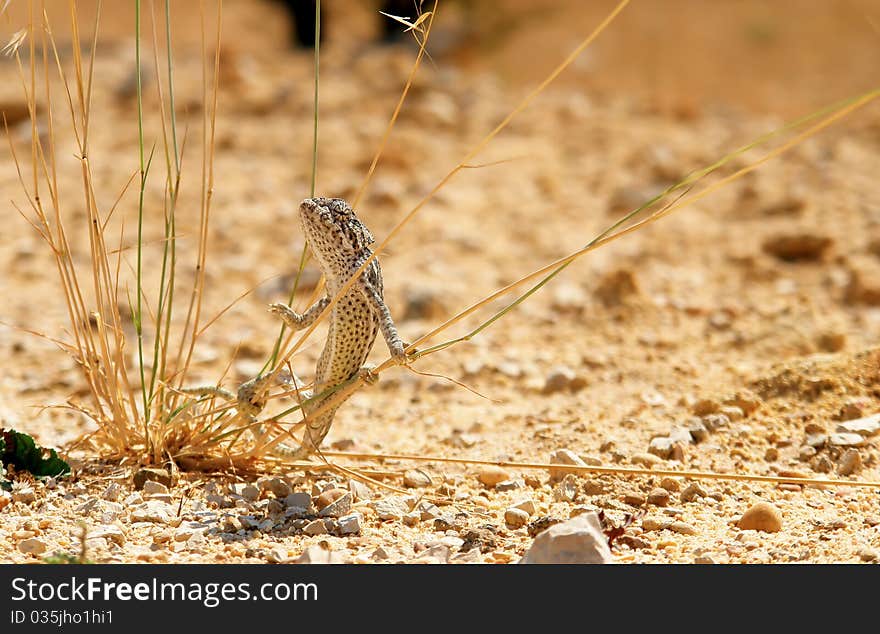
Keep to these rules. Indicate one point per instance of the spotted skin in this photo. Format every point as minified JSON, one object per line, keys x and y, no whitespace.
{"x":341,"y":244}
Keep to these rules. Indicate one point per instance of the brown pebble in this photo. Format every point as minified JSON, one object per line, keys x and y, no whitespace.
{"x":634,"y":498}
{"x":328,"y":497}
{"x":670,"y":484}
{"x":794,"y":247}
{"x":658,"y":497}
{"x":762,"y":516}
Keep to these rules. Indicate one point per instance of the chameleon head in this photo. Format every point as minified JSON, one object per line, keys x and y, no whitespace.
{"x":335,"y":235}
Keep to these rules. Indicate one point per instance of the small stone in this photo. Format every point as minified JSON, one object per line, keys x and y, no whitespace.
{"x":633,"y":498}
{"x":511,"y":485}
{"x":653,"y":524}
{"x":831,"y":341}
{"x":411,"y":519}
{"x":527,"y":506}
{"x":154,"y":474}
{"x":618,"y":288}
{"x":846,"y":439}
{"x":714,"y":422}
{"x":318,"y":554}
{"x":579,"y":540}
{"x":516,"y":518}
{"x":23,"y":495}
{"x":427,"y":511}
{"x":658,"y":497}
{"x":151,"y":487}
{"x":492,"y":475}
{"x":5,"y":500}
{"x":771,"y":455}
{"x":300,"y":499}
{"x":333,"y":503}
{"x":112,"y":492}
{"x":567,"y":457}
{"x":682,"y":528}
{"x":661,"y":447}
{"x":670,"y":484}
{"x":567,"y":490}
{"x":816,"y":441}
{"x":250,"y":493}
{"x":349,"y":524}
{"x":822,"y":465}
{"x":635,"y":543}
{"x":276,"y":486}
{"x":32,"y":546}
{"x":152,"y":511}
{"x":316,"y":527}
{"x":646,"y":459}
{"x":568,"y":298}
{"x":697,"y":430}
{"x":472,"y":556}
{"x":563,"y":378}
{"x":360,"y":491}
{"x":681,"y":435}
{"x":867,"y":426}
{"x":805,"y":453}
{"x":703,"y":559}
{"x":733,"y":412}
{"x":693,"y":492}
{"x":705,"y":406}
{"x":850,"y":462}
{"x":795,"y":247}
{"x":110,"y":532}
{"x":393,"y":508}
{"x":416,"y":479}
{"x":762,"y":516}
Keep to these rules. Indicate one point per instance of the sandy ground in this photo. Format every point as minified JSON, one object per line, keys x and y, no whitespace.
{"x":739,"y":331}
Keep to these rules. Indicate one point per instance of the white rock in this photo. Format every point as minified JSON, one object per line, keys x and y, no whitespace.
{"x":579,"y":540}
{"x":392,"y":508}
{"x":152,"y":511}
{"x":565,"y":456}
{"x":526,"y":505}
{"x":846,"y":439}
{"x":109,"y":532}
{"x":867,"y":426}
{"x":350,"y":524}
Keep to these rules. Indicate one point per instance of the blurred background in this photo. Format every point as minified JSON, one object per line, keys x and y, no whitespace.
{"x":676,"y":55}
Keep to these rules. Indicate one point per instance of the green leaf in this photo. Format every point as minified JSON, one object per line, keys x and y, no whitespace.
{"x":20,"y":450}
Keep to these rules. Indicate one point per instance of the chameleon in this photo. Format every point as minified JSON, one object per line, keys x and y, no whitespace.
{"x":340,"y":244}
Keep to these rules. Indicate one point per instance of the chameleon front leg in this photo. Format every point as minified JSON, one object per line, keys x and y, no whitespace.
{"x":386,"y":323}
{"x":295,"y":320}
